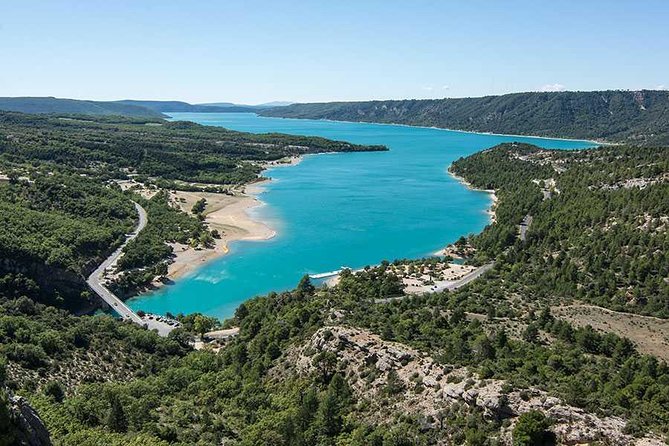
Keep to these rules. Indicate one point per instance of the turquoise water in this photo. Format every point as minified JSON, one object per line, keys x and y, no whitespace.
{"x":336,"y":210}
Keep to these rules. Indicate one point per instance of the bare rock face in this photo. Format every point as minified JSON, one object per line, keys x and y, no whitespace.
{"x":428,"y":388}
{"x":31,"y":429}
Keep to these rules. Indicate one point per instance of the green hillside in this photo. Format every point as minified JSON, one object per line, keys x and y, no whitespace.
{"x":72,"y":106}
{"x":636,"y":117}
{"x":494,"y":362}
{"x":482,"y":365}
{"x":62,"y":210}
{"x":599,"y":228}
{"x":179,"y":106}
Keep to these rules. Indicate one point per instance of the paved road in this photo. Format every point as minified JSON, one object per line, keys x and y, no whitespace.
{"x":478,"y":272}
{"x":449,"y":286}
{"x":524,"y":226}
{"x":95,"y":279}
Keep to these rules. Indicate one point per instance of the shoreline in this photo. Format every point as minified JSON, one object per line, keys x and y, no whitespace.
{"x":490,"y":210}
{"x":234,"y":222}
{"x":417,"y":288}
{"x":229,"y":214}
{"x":493,"y":195}
{"x":225,"y":213}
{"x":593,"y":141}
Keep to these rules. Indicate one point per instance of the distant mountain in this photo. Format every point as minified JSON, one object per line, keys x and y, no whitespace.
{"x":220,"y":104}
{"x":638,"y":117}
{"x":38,"y":105}
{"x":275,"y":104}
{"x":264,"y":105}
{"x":126,"y":107}
{"x":179,"y":106}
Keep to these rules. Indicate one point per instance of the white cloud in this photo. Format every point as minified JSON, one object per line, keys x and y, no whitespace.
{"x":661,"y":87}
{"x":553,"y":87}
{"x":446,"y":87}
{"x":428,"y":88}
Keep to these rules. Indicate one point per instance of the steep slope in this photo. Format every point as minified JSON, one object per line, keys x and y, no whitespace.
{"x":394,"y":378}
{"x":640,"y":117}
{"x":20,"y":425}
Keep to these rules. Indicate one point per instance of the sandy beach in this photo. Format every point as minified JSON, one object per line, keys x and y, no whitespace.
{"x":229,"y":215}
{"x":225,"y":213}
{"x":283,"y":162}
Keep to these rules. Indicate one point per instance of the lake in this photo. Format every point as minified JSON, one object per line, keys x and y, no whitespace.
{"x":344,"y":209}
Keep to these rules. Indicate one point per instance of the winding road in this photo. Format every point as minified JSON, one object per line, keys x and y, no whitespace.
{"x":96,"y":277}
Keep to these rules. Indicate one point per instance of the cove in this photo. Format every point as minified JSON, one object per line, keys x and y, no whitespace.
{"x":335,"y":210}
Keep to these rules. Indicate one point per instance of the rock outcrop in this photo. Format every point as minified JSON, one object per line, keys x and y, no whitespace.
{"x":428,"y":388}
{"x":30,"y":430}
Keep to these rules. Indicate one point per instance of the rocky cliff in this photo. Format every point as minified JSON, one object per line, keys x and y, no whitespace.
{"x":427,"y":389}
{"x":28,"y":428}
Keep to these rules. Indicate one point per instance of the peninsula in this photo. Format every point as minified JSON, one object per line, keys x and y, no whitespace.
{"x":80,"y":175}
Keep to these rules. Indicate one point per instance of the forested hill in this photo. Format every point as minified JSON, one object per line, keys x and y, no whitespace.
{"x":636,"y":117}
{"x":495,"y":362}
{"x":165,"y":150}
{"x":599,"y":227}
{"x":126,"y":107}
{"x":179,"y":106}
{"x":62,"y":208}
{"x":73,"y":106}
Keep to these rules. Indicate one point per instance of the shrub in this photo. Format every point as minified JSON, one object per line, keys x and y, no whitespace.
{"x":532,"y":430}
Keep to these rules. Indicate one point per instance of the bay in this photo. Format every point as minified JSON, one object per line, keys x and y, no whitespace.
{"x":344,"y":209}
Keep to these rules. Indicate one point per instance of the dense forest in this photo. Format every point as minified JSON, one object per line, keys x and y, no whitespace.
{"x":74,"y":106}
{"x":599,"y":223}
{"x":167,"y":150}
{"x":54,"y":227}
{"x":489,"y":363}
{"x":635,"y":117}
{"x":62,"y":210}
{"x":95,"y":381}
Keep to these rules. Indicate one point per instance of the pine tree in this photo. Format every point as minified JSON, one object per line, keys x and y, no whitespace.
{"x":116,"y":419}
{"x":305,"y":286}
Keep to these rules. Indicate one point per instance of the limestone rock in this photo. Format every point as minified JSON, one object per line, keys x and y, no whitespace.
{"x":367,"y":360}
{"x":31,"y":429}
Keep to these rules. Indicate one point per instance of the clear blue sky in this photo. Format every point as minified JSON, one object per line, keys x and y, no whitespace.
{"x":256,"y":51}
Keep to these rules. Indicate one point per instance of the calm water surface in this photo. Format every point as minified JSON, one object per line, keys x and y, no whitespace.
{"x":336,"y":210}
